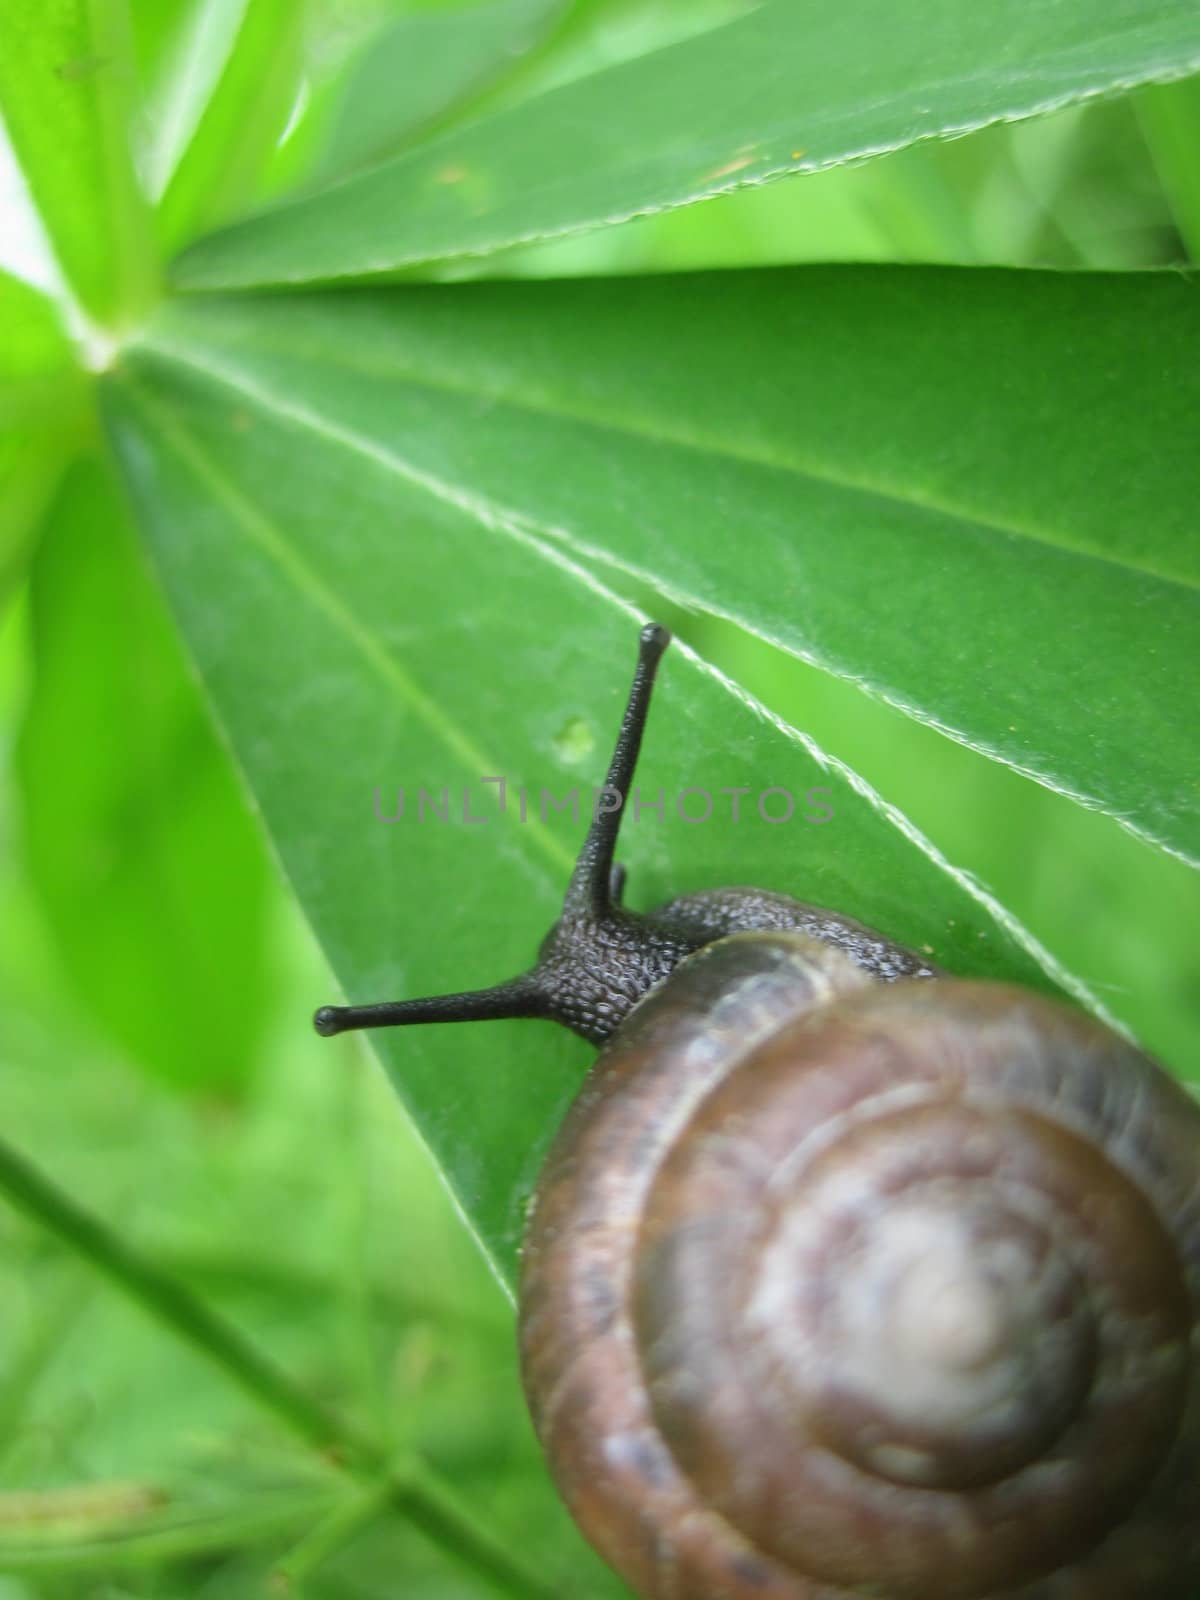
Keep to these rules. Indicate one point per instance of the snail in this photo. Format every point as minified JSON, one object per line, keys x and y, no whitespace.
{"x":844,"y":1277}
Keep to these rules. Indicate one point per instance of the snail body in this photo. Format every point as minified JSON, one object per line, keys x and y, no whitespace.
{"x":844,"y":1278}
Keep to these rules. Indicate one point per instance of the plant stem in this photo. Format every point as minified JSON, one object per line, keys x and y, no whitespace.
{"x":153,"y":1289}
{"x":412,"y":1491}
{"x":328,"y":1534}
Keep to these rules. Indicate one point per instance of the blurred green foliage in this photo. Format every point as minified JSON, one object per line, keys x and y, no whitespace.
{"x":155,"y":981}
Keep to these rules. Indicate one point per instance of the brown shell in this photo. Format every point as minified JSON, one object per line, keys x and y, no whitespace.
{"x":835,"y":1289}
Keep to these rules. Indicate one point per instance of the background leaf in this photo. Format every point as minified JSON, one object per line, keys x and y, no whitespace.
{"x":30,"y":466}
{"x":419,"y":67}
{"x":365,"y":642}
{"x":1170,"y":115}
{"x":150,"y":871}
{"x":247,"y":111}
{"x":183,"y":46}
{"x":43,"y":411}
{"x":788,"y":88}
{"x":127,"y":1465}
{"x":66,"y":86}
{"x":35,"y":358}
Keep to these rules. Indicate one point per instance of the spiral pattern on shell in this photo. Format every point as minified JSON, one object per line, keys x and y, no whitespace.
{"x":841,"y":1289}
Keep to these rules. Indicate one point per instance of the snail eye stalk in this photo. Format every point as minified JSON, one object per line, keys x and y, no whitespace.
{"x":592,"y":893}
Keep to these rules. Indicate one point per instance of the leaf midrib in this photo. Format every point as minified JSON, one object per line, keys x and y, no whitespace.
{"x":303,"y":576}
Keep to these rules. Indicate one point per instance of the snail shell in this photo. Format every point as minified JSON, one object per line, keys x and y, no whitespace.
{"x":834,"y":1288}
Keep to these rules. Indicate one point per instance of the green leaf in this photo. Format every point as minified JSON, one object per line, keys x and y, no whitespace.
{"x":247,"y":111}
{"x":789,"y":88}
{"x":417,"y":69}
{"x":31,"y":463}
{"x":183,"y":46}
{"x":41,"y":390}
{"x":32,"y":341}
{"x":881,"y":470}
{"x":66,"y":71}
{"x":1170,"y":118}
{"x":133,"y":820}
{"x":42,"y":417}
{"x":365,"y":622}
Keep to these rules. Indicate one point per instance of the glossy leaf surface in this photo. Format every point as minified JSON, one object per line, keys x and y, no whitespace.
{"x":787,"y":88}
{"x":754,"y":444}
